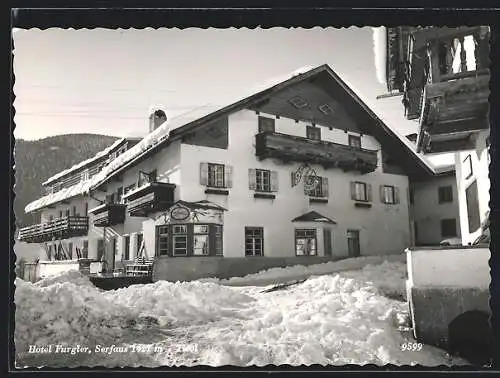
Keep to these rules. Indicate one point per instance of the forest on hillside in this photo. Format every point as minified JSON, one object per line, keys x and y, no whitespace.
{"x":37,"y":160}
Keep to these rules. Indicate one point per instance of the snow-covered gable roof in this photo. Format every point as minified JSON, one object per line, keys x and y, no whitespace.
{"x":163,"y":132}
{"x":83,"y":163}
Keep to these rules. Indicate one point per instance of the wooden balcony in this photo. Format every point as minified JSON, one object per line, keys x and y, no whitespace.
{"x":150,"y":198}
{"x":57,"y":229}
{"x":108,"y":214}
{"x":454,"y":111}
{"x":288,"y":148}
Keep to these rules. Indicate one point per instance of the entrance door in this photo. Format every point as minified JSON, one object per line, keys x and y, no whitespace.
{"x":353,"y":246}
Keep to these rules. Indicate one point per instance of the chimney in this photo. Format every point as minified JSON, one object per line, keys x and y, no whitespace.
{"x":156,"y":118}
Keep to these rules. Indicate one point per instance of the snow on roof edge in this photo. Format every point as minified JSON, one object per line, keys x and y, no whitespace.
{"x":84,"y":162}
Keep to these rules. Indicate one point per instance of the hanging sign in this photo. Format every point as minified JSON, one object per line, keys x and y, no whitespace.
{"x":180,"y":213}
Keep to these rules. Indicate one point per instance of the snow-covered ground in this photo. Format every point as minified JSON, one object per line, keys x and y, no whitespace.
{"x":329,"y":319}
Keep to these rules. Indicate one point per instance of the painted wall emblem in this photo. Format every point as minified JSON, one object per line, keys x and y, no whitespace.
{"x":180,"y":213}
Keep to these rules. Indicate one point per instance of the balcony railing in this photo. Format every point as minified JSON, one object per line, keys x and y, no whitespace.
{"x":108,"y":214}
{"x":150,"y":198}
{"x":60,"y":228}
{"x":288,"y":148}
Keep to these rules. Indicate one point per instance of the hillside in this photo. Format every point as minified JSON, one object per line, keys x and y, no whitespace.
{"x":36,"y":161}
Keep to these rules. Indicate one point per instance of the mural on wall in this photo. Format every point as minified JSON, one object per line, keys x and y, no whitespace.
{"x":308,"y":174}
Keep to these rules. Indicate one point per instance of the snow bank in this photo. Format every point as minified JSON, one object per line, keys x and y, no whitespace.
{"x":181,"y":302}
{"x":331,"y":319}
{"x":280,"y":275}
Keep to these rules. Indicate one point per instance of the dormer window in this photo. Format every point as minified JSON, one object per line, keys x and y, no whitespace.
{"x":355,"y":141}
{"x":298,"y":102}
{"x":326,"y":109}
{"x":266,"y":125}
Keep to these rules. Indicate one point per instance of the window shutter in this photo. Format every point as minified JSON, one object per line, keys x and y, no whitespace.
{"x":396,"y":195}
{"x":252,"y":179}
{"x":353,"y":190}
{"x":204,"y":173}
{"x":228,"y":176}
{"x":324,"y":187}
{"x":369,"y":192}
{"x":274,"y":181}
{"x":382,"y":194}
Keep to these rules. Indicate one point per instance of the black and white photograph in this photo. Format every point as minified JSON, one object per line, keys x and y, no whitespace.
{"x":252,"y":197}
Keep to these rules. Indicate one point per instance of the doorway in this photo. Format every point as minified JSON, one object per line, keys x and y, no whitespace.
{"x":353,"y":246}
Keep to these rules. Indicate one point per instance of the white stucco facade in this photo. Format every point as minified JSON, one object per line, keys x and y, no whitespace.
{"x":478,"y":175}
{"x":383,"y":228}
{"x":427,"y":210}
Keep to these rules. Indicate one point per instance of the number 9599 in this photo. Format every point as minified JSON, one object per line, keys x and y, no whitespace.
{"x":411,"y":347}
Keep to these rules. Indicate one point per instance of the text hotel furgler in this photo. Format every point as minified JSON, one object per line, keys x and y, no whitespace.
{"x":60,"y":348}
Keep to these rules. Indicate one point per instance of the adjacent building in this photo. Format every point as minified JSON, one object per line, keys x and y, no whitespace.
{"x":302,"y":171}
{"x":443,"y":75}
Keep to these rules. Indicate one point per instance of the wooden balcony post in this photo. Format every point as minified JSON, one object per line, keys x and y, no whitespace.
{"x":463,"y":55}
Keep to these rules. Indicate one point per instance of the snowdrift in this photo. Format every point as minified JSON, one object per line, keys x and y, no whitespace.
{"x":334,"y":319}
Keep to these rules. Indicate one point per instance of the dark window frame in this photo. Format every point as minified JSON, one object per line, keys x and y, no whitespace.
{"x":365,"y":192}
{"x":214,"y":177}
{"x":199,"y":233}
{"x":267,"y":125}
{"x":306,"y":231}
{"x":317,"y":191}
{"x":392,"y":200}
{"x":263,"y":187}
{"x":445,"y":227}
{"x":126,"y":252}
{"x":354,"y":141}
{"x":254,"y":234}
{"x":445,"y":194}
{"x":313,"y":133}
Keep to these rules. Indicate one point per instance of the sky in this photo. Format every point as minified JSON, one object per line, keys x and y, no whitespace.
{"x":104,"y":81}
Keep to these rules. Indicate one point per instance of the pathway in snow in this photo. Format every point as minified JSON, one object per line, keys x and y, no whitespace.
{"x":331,"y":319}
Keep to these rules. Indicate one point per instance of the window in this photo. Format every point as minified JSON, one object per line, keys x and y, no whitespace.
{"x":316,"y":186}
{"x":146,"y":177}
{"x":412,"y":195}
{"x":119,"y":195}
{"x":360,"y":191}
{"x":262,"y":180}
{"x":179,"y":240}
{"x":162,"y":240}
{"x":468,"y":167}
{"x":353,"y":246}
{"x":266,"y":125}
{"x":70,"y":250}
{"x":216,"y":175}
{"x":326,"y":109}
{"x":355,"y":141}
{"x":389,"y":194}
{"x":448,"y":228}
{"x":200,"y":240}
{"x":60,"y":213}
{"x":110,"y":198}
{"x":86,"y":208}
{"x":313,"y":133}
{"x":218,"y":240}
{"x":84,"y":175}
{"x":67,"y":213}
{"x":100,"y":249}
{"x":445,"y":194}
{"x":328,"y":241}
{"x":126,"y":252}
{"x":471,"y":196}
{"x":140,"y":239}
{"x":298,"y":102}
{"x":74,"y":210}
{"x":85,"y":251}
{"x":254,"y":241}
{"x":305,"y":242}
